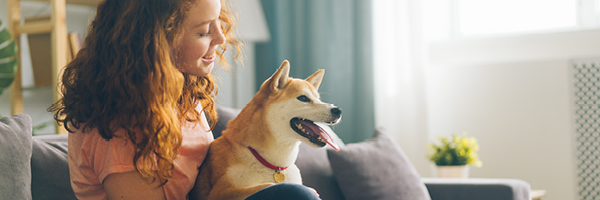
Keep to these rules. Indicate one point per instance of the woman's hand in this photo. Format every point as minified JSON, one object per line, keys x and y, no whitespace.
{"x":131,"y":185}
{"x":313,"y":190}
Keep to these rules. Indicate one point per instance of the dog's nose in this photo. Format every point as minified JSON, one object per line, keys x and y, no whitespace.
{"x":336,"y":111}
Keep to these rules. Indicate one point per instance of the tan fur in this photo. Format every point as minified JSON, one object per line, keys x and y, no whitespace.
{"x":230,"y":171}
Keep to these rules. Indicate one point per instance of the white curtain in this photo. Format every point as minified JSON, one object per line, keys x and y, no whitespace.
{"x":399,"y":61}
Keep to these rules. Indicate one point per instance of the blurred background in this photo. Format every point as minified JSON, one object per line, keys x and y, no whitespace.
{"x":521,"y":76}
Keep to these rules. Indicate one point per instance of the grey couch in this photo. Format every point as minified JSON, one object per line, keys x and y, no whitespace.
{"x":36,"y":168}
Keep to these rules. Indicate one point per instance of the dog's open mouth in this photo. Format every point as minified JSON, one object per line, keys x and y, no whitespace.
{"x":313,"y":132}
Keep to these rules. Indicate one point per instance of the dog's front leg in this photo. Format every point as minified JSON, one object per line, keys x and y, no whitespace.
{"x":223,"y":190}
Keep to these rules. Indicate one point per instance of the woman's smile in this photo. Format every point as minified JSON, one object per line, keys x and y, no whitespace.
{"x":209,"y":58}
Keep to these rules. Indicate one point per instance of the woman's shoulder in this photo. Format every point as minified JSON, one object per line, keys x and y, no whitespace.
{"x":91,"y":142}
{"x":94,"y":134}
{"x":96,"y":156}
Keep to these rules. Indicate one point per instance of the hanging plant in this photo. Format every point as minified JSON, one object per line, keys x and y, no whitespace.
{"x":8,"y":58}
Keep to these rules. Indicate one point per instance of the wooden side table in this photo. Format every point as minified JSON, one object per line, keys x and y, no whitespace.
{"x":537,"y":194}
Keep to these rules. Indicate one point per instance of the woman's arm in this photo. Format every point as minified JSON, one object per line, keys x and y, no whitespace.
{"x":131,"y":185}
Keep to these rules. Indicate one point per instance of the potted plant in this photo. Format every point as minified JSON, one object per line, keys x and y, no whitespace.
{"x":453,"y":155}
{"x":8,"y":58}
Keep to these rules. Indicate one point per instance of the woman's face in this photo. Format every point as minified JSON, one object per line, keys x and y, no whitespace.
{"x":200,"y":38}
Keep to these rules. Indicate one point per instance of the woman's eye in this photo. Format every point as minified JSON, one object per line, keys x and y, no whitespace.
{"x":304,"y":98}
{"x":204,"y":31}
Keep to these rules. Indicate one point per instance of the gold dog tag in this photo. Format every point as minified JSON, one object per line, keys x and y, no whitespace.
{"x":279,"y":177}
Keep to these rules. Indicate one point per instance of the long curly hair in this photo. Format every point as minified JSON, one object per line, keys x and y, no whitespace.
{"x":125,"y":78}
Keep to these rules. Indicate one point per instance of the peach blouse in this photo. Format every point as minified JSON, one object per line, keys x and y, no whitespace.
{"x":92,"y":159}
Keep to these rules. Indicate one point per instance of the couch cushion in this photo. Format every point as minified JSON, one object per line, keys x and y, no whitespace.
{"x":15,"y":145}
{"x":376,"y":169}
{"x":50,"y":168}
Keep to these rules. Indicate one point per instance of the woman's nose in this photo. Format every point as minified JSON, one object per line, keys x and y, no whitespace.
{"x":218,"y":37}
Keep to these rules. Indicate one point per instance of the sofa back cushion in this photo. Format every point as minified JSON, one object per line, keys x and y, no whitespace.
{"x":15,"y":145}
{"x":50,"y":168}
{"x":225,"y":115}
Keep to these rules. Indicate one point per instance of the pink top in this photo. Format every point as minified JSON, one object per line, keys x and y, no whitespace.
{"x":92,"y":159}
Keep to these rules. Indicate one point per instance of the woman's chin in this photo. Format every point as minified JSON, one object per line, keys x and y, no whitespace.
{"x":202,"y":70}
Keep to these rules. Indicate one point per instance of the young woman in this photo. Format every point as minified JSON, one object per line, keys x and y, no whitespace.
{"x":138,"y":99}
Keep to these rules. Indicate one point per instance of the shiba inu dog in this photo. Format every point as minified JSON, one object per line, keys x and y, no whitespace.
{"x":259,"y":147}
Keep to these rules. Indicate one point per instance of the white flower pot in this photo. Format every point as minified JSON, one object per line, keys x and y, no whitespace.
{"x":453,"y":171}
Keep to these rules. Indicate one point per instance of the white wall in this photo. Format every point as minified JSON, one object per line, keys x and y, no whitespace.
{"x":519,"y":112}
{"x":514,"y":95}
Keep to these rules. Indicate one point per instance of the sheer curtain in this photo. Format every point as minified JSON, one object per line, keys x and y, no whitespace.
{"x":399,"y":63}
{"x":334,"y":35}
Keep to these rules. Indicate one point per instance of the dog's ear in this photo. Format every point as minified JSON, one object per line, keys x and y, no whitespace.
{"x":316,"y":78}
{"x":280,"y":79}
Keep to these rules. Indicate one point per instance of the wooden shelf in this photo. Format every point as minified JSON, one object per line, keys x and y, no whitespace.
{"x":56,"y":25}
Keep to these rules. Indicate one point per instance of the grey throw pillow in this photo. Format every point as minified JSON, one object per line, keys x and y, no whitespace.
{"x":15,"y":145}
{"x":376,"y":169}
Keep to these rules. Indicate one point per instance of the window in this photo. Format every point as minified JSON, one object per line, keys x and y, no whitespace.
{"x":514,"y":16}
{"x":451,"y":19}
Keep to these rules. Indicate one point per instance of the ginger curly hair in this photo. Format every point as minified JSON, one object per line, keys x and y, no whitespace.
{"x":125,"y":78}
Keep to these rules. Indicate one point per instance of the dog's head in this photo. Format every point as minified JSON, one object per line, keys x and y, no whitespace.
{"x":295,"y":108}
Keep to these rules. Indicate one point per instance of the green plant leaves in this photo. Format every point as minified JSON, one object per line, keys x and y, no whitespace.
{"x":455,"y":150}
{"x":8,"y":58}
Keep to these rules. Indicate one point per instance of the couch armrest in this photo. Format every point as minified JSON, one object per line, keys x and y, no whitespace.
{"x":477,"y":188}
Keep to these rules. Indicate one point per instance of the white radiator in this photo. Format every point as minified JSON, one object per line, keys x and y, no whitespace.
{"x":586,"y":82}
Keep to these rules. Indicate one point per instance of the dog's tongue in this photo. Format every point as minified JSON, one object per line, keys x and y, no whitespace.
{"x":317,"y":129}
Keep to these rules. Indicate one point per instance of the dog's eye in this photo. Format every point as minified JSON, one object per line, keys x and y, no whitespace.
{"x":304,"y":98}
